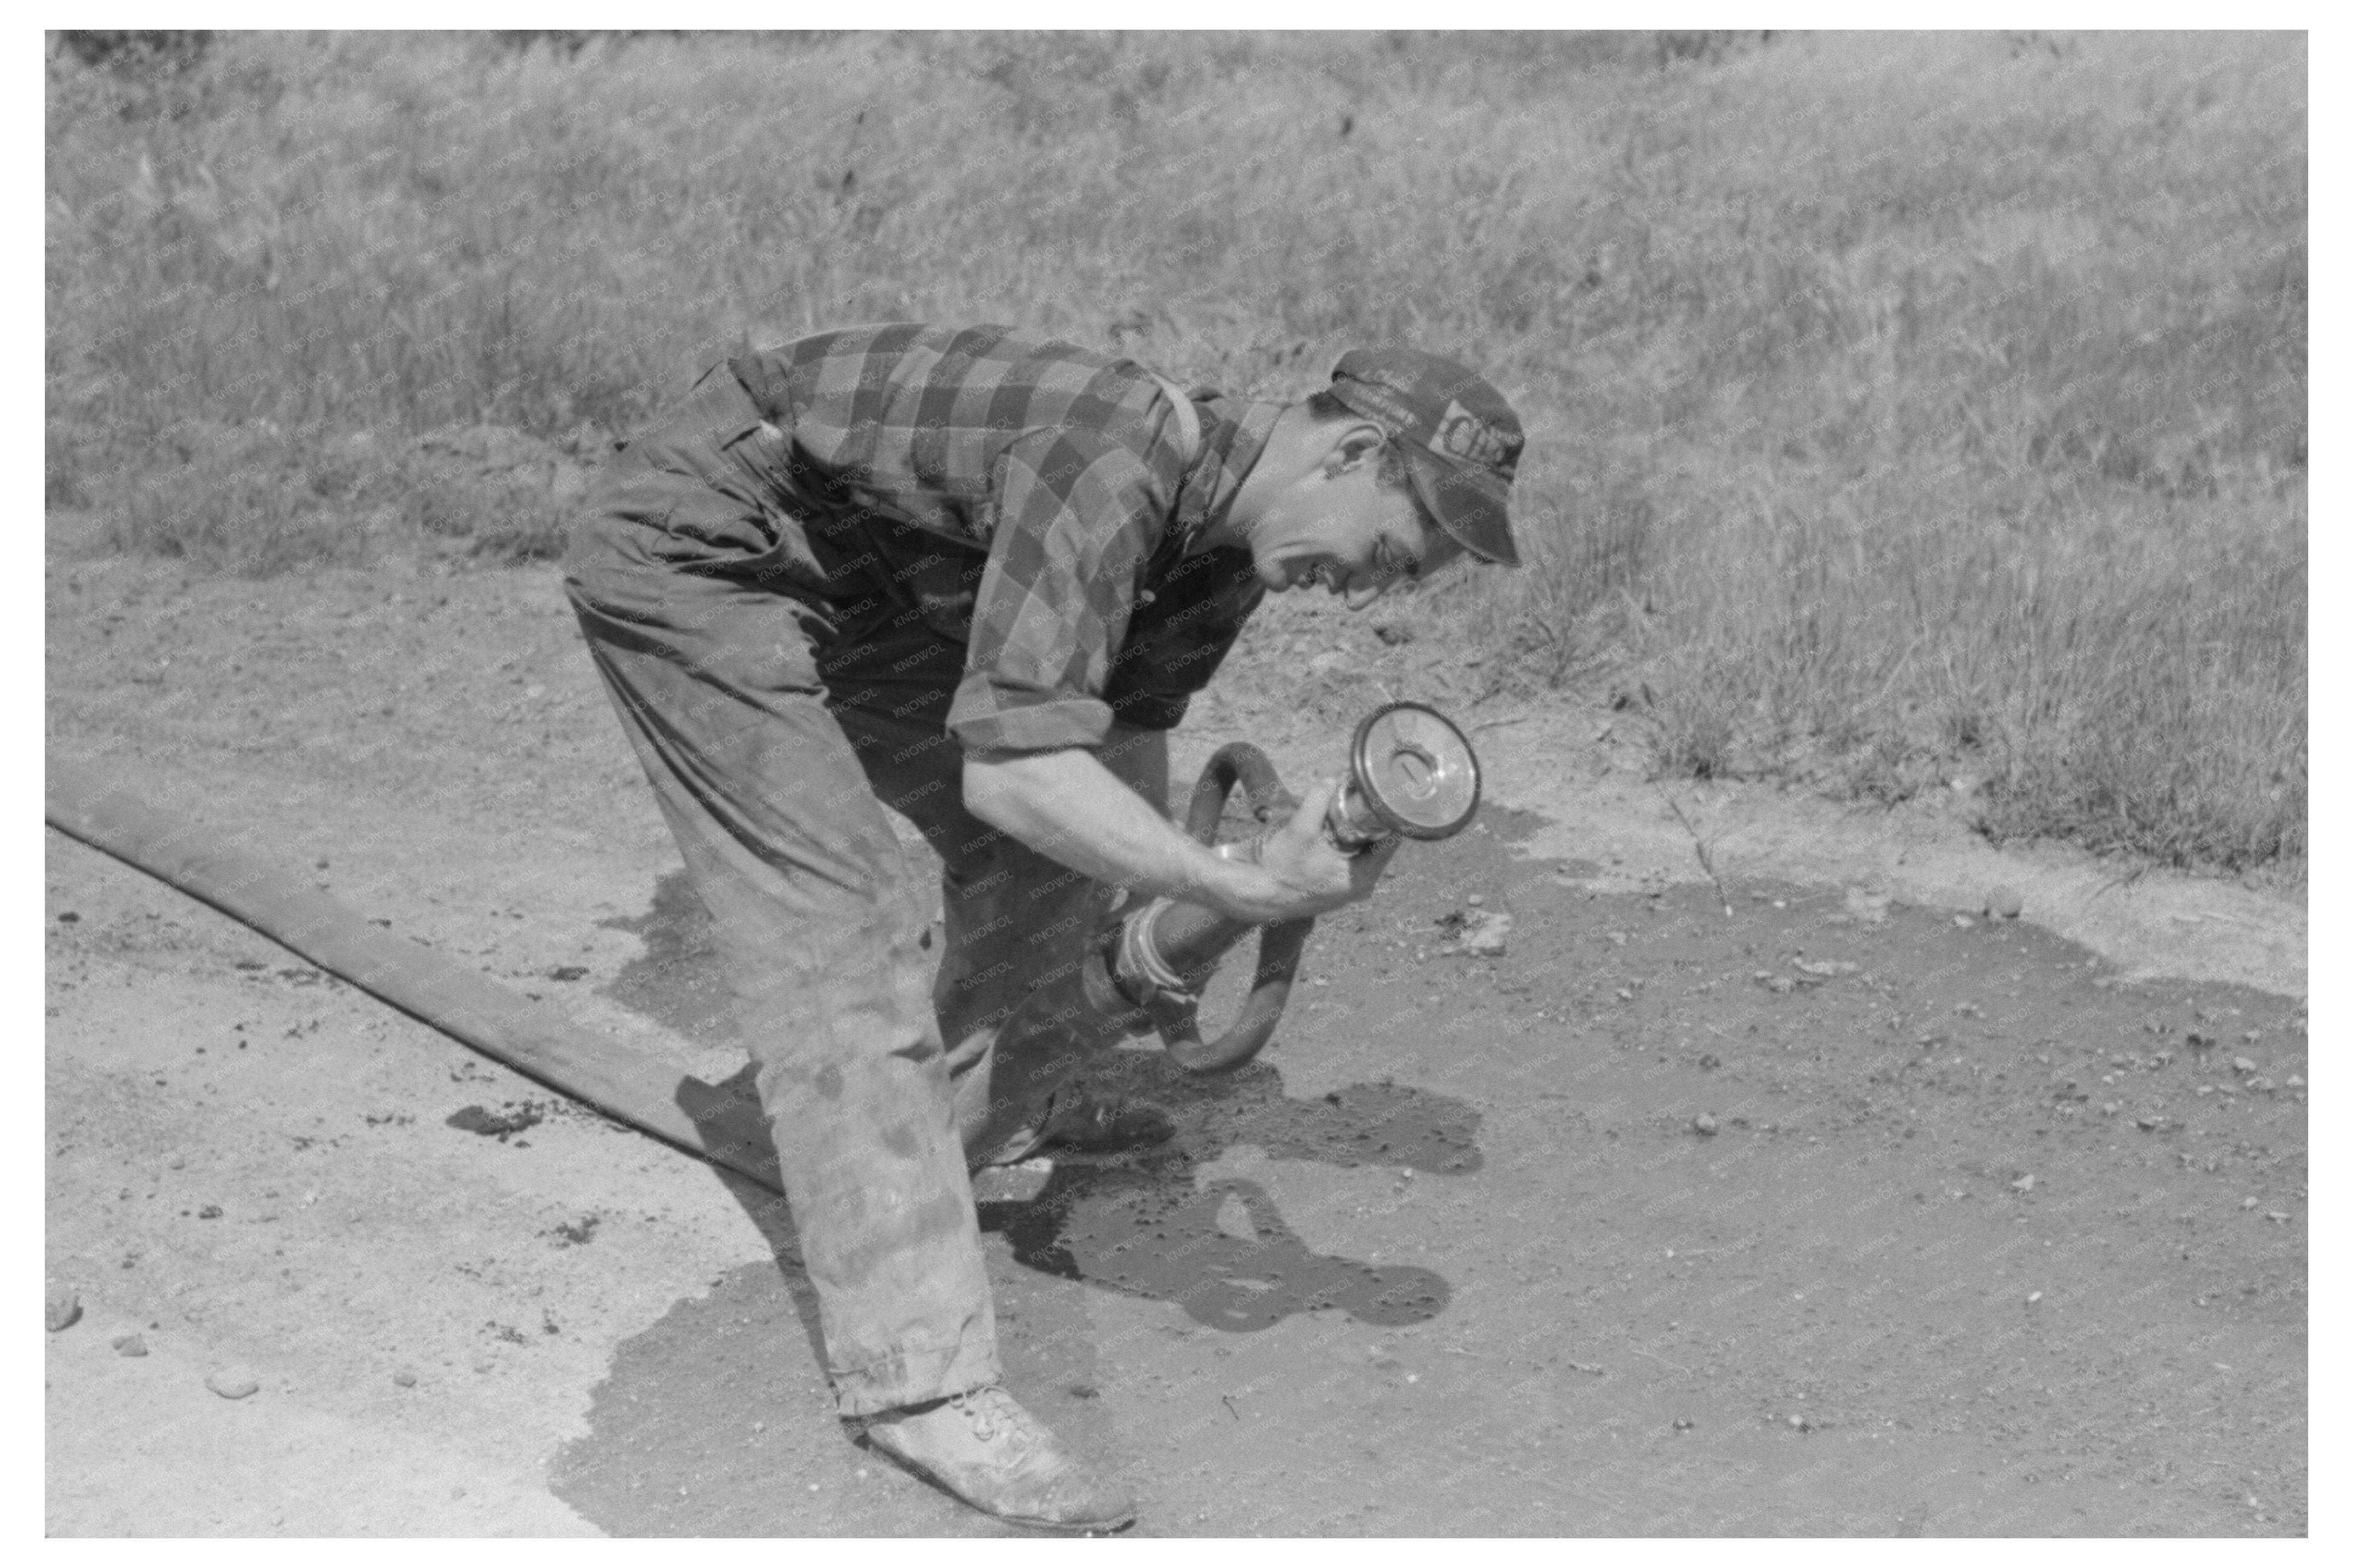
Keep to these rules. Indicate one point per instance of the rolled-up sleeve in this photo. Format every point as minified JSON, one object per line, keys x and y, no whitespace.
{"x":1078,"y":516}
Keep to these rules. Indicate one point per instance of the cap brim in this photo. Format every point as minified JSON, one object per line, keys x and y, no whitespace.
{"x":1471,"y":508}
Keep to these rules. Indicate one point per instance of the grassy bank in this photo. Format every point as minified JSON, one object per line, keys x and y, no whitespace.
{"x":1904,"y":409}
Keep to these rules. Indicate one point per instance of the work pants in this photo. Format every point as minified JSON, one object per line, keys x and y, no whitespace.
{"x":773,"y":728}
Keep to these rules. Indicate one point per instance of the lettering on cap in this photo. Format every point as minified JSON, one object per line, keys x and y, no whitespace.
{"x":1463,"y":435}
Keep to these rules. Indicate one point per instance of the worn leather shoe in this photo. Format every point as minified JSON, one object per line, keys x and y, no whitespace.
{"x":984,"y":1448}
{"x":1018,"y":1182}
{"x":1073,"y":1119}
{"x":1077,"y":1119}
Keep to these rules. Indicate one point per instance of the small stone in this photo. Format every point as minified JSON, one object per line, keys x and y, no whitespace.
{"x":404,"y":1378}
{"x":1683,"y":1423}
{"x":1484,"y":934}
{"x":2246,"y":1203}
{"x":63,"y":1308}
{"x":1474,"y":901}
{"x":2275,"y":1216}
{"x":1800,"y":1424}
{"x":2295,"y":1080}
{"x":1704,"y":1125}
{"x":210,"y":1210}
{"x":130,"y":1344}
{"x":2005,"y":902}
{"x":232,"y":1382}
{"x":1866,"y":905}
{"x":2033,"y":1297}
{"x":1963,"y":922}
{"x":2023,"y":1185}
{"x":1780,"y":985}
{"x":1825,"y":969}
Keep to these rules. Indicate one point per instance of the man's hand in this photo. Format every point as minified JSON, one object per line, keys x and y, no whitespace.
{"x":1067,"y":805}
{"x":1310,"y":875}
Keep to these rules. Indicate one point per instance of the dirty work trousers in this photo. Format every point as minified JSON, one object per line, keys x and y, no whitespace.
{"x":773,"y":728}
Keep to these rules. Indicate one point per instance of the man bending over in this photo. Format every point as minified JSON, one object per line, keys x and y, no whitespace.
{"x":974,"y":577}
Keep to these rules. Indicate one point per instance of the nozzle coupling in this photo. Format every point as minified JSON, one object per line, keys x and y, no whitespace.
{"x":1351,"y":824}
{"x":1412,"y":775}
{"x":1169,"y":949}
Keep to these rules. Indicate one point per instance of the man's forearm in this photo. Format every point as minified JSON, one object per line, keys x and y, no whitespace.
{"x":1067,"y":805}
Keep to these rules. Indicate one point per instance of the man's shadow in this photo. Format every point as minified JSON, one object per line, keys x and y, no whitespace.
{"x":1146,"y":1223}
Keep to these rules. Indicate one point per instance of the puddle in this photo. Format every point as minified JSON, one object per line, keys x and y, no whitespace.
{"x":1668,"y":1220}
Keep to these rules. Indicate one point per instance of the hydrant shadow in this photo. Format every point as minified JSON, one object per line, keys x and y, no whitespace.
{"x":1146,"y":1224}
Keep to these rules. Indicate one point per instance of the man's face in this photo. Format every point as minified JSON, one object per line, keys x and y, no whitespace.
{"x":1350,"y":535}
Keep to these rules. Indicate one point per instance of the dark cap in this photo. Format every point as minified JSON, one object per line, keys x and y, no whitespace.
{"x":1461,"y":439}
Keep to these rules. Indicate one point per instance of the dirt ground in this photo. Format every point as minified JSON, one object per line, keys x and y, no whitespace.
{"x":1850,"y":1210}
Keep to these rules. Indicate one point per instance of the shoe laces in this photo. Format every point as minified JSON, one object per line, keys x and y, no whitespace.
{"x":991,"y":1410}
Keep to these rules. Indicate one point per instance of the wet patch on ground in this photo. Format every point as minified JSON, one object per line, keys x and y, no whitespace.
{"x":680,"y":980}
{"x":1824,"y":1216}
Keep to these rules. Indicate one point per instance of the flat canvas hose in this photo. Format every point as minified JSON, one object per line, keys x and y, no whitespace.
{"x":536,"y":1040}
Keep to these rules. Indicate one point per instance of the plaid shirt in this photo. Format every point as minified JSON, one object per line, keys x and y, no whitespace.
{"x":1028,"y":499}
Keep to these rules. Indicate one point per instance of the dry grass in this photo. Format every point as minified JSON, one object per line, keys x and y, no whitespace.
{"x":1904,"y":408}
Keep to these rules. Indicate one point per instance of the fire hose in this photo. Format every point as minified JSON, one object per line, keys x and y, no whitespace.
{"x":1412,"y":775}
{"x":538,"y":1041}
